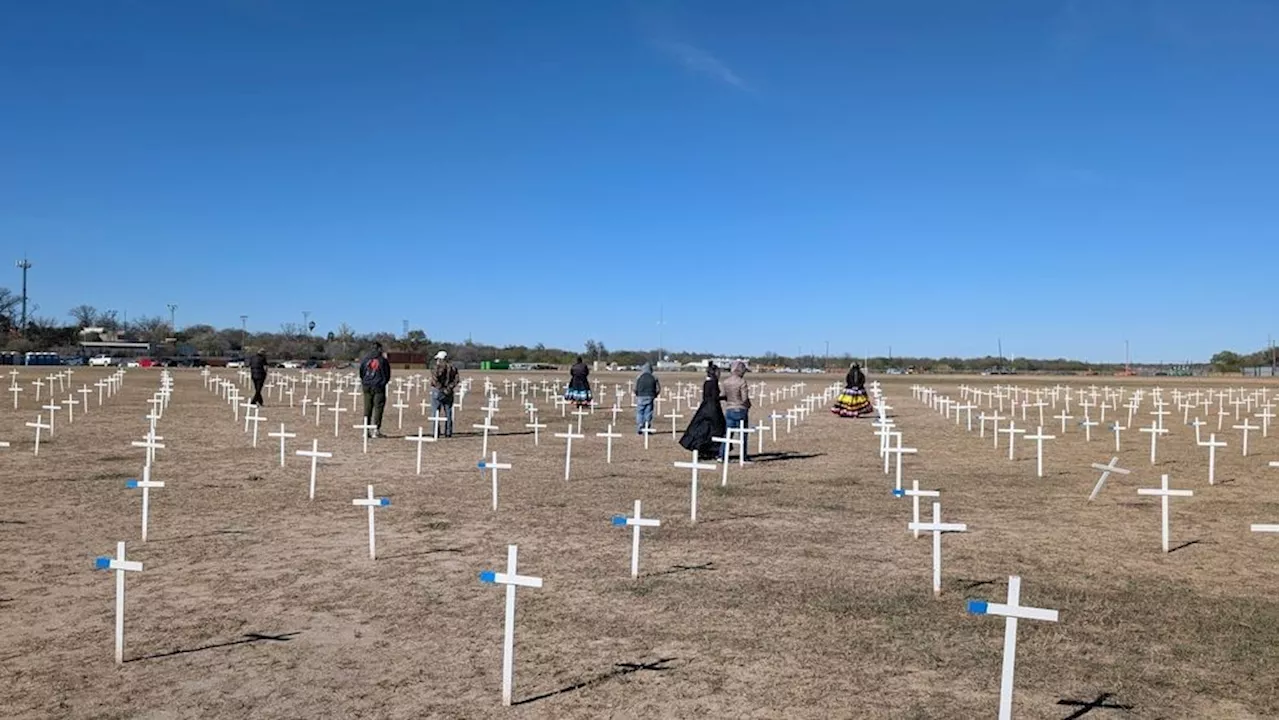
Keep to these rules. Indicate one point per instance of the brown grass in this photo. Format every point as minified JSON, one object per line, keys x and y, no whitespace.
{"x":799,"y":593}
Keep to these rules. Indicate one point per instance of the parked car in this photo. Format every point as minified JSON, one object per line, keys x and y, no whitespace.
{"x":235,"y":363}
{"x":100,"y":361}
{"x":132,"y":364}
{"x":291,"y":364}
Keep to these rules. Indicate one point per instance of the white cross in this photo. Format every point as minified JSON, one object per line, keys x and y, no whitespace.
{"x":38,"y":425}
{"x":337,"y":411}
{"x":743,"y":431}
{"x":1155,"y":431}
{"x":512,"y":580}
{"x":898,"y":451}
{"x":1039,"y":439}
{"x":493,"y":466}
{"x":535,"y":426}
{"x":120,"y":565}
{"x":371,"y":502}
{"x":283,"y":436}
{"x":1107,"y":469}
{"x":569,"y":437}
{"x":419,"y":438}
{"x":485,"y":428}
{"x":146,"y":483}
{"x":85,"y":392}
{"x":674,"y":416}
{"x":1012,"y":430}
{"x":1246,"y":427}
{"x":694,"y":466}
{"x":937,"y":527}
{"x":436,"y":421}
{"x":609,"y":435}
{"x":635,"y":522}
{"x":15,"y":390}
{"x":52,"y":407}
{"x":1011,"y":611}
{"x":580,"y":413}
{"x":318,"y":404}
{"x":1088,"y":426}
{"x":646,"y":431}
{"x":148,"y":441}
{"x":39,"y":384}
{"x":70,"y":404}
{"x":255,"y":418}
{"x":1266,"y":416}
{"x":1213,"y":446}
{"x":915,"y":493}
{"x":1165,"y":493}
{"x":724,"y":465}
{"x":400,"y":405}
{"x":315,"y":455}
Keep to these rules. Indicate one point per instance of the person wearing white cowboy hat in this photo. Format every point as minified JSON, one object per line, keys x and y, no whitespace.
{"x":444,"y":380}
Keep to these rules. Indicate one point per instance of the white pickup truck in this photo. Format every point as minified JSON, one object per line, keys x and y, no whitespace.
{"x":100,"y":361}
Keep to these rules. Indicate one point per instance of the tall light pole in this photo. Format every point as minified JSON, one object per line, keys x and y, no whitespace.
{"x":306,"y":319}
{"x":661,"y":323}
{"x":244,"y":319}
{"x":24,"y":265}
{"x":826,"y":356}
{"x":173,"y":324}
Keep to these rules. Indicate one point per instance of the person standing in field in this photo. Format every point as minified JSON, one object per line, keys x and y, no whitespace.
{"x":579,"y":390}
{"x":708,"y":420}
{"x":853,"y":402}
{"x":444,"y":380}
{"x":737,"y":403}
{"x":647,"y":389}
{"x":375,"y":373}
{"x":258,"y":373}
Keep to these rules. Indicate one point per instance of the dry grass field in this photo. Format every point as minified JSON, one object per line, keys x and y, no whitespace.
{"x":798,"y":594}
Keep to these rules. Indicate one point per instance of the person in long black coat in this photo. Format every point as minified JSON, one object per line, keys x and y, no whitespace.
{"x":708,"y":421}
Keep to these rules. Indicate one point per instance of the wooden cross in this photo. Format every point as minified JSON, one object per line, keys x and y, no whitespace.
{"x":1213,"y":446}
{"x":937,"y":527}
{"x":694,"y":466}
{"x":569,"y":436}
{"x":120,"y":565}
{"x":1155,"y":431}
{"x":283,"y":436}
{"x":1165,"y":493}
{"x":512,"y":580}
{"x":419,"y":438}
{"x":493,"y":466}
{"x":1106,"y":473}
{"x":315,"y":455}
{"x":485,"y":427}
{"x":146,"y":483}
{"x":635,"y":522}
{"x":1245,"y":426}
{"x":1011,"y":611}
{"x":915,"y":493}
{"x":371,"y":502}
{"x":366,"y":429}
{"x":609,"y":435}
{"x":1039,"y":439}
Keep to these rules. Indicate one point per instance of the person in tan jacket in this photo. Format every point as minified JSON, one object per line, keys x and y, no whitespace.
{"x":736,"y":395}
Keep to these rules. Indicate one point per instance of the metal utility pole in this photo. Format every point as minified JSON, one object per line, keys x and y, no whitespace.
{"x":173,"y":323}
{"x":661,"y":323}
{"x":405,"y":325}
{"x":826,"y":355}
{"x":244,"y":319}
{"x":24,"y":265}
{"x":306,"y":318}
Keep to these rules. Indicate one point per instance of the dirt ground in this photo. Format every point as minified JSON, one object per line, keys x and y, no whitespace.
{"x":798,"y":594}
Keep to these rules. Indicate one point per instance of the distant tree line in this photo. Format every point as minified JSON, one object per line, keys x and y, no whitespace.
{"x":293,"y":341}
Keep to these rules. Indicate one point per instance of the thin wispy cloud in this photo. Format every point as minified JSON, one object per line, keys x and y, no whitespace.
{"x":701,"y":62}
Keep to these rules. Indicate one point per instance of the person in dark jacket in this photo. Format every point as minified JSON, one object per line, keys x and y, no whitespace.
{"x":258,"y":373}
{"x":375,"y":373}
{"x":444,"y":380}
{"x":853,"y":402}
{"x":579,"y":391}
{"x":708,"y":420}
{"x":647,"y":389}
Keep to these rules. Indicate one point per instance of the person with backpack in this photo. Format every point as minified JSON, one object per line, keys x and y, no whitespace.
{"x":444,"y":380}
{"x":258,"y":373}
{"x":375,"y":373}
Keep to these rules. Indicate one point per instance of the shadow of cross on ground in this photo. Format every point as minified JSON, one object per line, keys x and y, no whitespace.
{"x":619,"y":669}
{"x":1087,"y":706}
{"x":248,"y":638}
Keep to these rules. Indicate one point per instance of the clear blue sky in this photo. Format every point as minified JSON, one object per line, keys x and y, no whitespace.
{"x":929,"y":176}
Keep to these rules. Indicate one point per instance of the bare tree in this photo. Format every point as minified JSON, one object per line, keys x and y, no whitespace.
{"x":8,"y":303}
{"x":84,"y":315}
{"x":152,"y":329}
{"x":107,"y":320}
